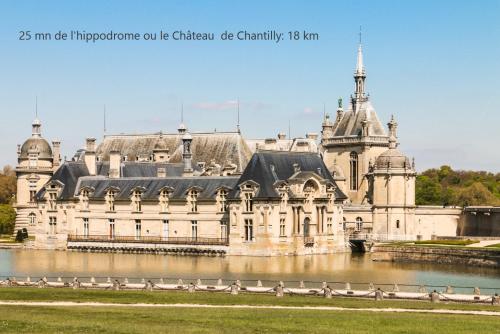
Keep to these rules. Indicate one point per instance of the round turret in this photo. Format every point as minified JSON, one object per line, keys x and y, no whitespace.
{"x":36,"y":144}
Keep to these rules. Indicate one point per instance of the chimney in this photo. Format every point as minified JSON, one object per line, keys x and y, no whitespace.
{"x":281,"y":136}
{"x":114,"y":164}
{"x":56,"y":151}
{"x":186,"y":154}
{"x":90,"y":158}
{"x":312,"y":135}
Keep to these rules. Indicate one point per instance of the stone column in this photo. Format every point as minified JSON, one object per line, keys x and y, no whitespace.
{"x":298,"y":220}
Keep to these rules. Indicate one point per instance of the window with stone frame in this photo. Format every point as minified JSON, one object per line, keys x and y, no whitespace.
{"x":248,"y":230}
{"x":84,"y":199}
{"x":282,"y":227}
{"x":136,"y":200}
{"x":222,"y":200}
{"x":283,"y":199}
{"x":52,"y":225}
{"x":248,"y":201}
{"x":192,"y":199}
{"x":52,"y":201}
{"x":359,"y":224}
{"x":224,"y":231}
{"x":164,"y":200}
{"x":32,"y":219}
{"x":329,"y":225}
{"x":110,"y":200}
{"x":353,"y":164}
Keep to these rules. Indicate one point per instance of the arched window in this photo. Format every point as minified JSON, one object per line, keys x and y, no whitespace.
{"x":397,"y":223}
{"x":354,"y":171}
{"x":359,"y":224}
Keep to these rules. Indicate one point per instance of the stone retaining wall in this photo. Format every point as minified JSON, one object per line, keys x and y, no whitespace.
{"x":437,"y":254}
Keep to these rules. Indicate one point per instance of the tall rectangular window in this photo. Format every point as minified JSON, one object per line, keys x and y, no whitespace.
{"x":86,"y":227}
{"x":248,"y":230}
{"x":194,"y":229}
{"x":52,"y":225}
{"x":165,"y":229}
{"x":329,"y":225}
{"x":282,"y":227}
{"x":111,"y":228}
{"x":223,"y":229}
{"x":353,"y":171}
{"x":138,"y":228}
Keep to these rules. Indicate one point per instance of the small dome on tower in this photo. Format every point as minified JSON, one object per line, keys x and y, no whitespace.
{"x":187,"y":136}
{"x":36,"y":144}
{"x":392,"y":158}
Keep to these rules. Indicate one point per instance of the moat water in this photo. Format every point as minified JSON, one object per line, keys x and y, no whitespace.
{"x":354,"y":268}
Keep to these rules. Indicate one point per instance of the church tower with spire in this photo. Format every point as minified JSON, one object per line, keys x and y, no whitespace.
{"x":355,"y":139}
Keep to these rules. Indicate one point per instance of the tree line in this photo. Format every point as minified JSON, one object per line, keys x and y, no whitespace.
{"x":7,"y":192}
{"x":445,"y":186}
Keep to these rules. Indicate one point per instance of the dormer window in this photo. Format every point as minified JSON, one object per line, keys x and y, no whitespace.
{"x":52,"y":201}
{"x":248,"y":201}
{"x":110,"y":200}
{"x":248,"y":190}
{"x":84,"y":199}
{"x":283,"y":199}
{"x":136,"y":201}
{"x":192,"y":199}
{"x":164,"y":200}
{"x":223,"y":200}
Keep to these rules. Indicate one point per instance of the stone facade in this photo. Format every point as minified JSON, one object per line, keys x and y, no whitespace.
{"x":272,"y":196}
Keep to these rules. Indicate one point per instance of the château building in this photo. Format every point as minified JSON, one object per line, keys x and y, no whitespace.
{"x":218,"y":192}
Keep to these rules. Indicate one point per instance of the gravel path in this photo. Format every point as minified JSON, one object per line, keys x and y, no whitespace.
{"x":274,"y":307}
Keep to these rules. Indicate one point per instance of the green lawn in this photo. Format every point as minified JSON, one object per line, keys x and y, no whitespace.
{"x":447,"y":242}
{"x":213,"y":298}
{"x":29,"y":319}
{"x":494,"y":246}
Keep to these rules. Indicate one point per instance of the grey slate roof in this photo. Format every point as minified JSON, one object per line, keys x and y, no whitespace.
{"x":70,"y":172}
{"x":209,"y":186}
{"x":266,"y":168}
{"x":219,"y":146}
{"x":350,"y":123}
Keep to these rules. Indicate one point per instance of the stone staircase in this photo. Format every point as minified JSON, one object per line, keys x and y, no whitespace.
{"x":22,"y":219}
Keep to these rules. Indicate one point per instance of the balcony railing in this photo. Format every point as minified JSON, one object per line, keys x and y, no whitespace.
{"x":308,"y":241}
{"x":202,"y":241}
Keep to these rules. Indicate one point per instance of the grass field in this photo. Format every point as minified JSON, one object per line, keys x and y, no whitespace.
{"x":85,"y":319}
{"x":29,"y":319}
{"x":447,"y":242}
{"x":494,"y":246}
{"x":212,"y":298}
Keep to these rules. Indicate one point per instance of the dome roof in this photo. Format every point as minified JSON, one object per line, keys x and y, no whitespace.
{"x":36,"y":144}
{"x":392,"y":158}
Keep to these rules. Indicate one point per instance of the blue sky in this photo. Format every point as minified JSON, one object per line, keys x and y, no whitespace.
{"x":433,"y":64}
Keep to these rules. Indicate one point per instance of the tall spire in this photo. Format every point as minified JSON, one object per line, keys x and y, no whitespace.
{"x":36,"y":125}
{"x":359,"y":75}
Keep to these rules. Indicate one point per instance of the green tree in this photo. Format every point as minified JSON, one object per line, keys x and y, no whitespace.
{"x":7,"y":185}
{"x":428,"y":191}
{"x":7,"y":219}
{"x":476,"y":194}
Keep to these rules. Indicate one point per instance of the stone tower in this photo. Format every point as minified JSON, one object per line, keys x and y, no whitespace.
{"x":354,"y":140}
{"x":37,"y":162}
{"x":393,"y":178}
